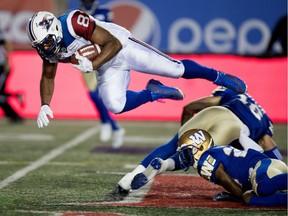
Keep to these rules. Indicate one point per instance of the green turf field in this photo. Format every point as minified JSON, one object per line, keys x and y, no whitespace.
{"x":52,"y":170}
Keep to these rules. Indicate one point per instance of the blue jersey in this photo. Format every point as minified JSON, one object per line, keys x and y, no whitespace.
{"x":237,"y":164}
{"x":102,"y":14}
{"x":248,"y":111}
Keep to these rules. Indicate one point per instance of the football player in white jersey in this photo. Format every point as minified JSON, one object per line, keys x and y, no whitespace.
{"x":56,"y":39}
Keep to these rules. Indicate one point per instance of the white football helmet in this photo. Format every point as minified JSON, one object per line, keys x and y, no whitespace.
{"x":45,"y":32}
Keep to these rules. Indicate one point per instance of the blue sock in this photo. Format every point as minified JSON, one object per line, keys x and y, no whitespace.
{"x":102,"y":110}
{"x":163,"y":152}
{"x":135,"y":99}
{"x":274,"y":153}
{"x":195,"y":70}
{"x":277,"y":199}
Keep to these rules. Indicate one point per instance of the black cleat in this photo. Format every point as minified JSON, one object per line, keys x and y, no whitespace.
{"x":118,"y":194}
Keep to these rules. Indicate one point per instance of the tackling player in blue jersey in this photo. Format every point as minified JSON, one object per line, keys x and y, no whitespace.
{"x":108,"y":124}
{"x":247,"y":174}
{"x":57,"y":39}
{"x":224,"y":115}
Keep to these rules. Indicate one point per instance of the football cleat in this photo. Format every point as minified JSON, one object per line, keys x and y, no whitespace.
{"x":160,"y":91}
{"x":225,"y":196}
{"x":232,"y":82}
{"x":122,"y":191}
{"x":118,"y":194}
{"x":148,"y":174}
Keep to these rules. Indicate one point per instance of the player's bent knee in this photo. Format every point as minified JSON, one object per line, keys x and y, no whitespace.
{"x":115,"y":108}
{"x":114,"y":105}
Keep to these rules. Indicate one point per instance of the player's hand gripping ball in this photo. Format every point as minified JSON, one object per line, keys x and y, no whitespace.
{"x":83,"y":57}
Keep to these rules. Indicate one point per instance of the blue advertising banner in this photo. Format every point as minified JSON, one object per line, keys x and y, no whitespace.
{"x":200,"y":26}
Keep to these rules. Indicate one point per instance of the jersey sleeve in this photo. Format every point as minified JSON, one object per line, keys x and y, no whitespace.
{"x":83,"y":24}
{"x":207,"y":166}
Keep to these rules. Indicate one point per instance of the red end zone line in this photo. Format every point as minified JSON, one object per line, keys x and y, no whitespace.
{"x":189,"y":191}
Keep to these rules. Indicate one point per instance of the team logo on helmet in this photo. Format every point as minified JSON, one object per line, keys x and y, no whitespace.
{"x":198,"y":140}
{"x":46,"y":22}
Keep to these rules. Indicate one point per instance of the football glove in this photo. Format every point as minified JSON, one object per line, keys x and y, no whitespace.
{"x":185,"y":156}
{"x":42,"y":119}
{"x":225,"y":196}
{"x":85,"y":65}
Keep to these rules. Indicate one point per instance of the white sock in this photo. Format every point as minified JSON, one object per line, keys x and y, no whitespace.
{"x":170,"y":164}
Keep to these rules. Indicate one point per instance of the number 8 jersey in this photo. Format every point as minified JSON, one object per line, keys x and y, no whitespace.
{"x":78,"y":27}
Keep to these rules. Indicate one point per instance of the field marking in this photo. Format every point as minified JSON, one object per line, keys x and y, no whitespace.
{"x":145,"y":139}
{"x":134,"y":197}
{"x":12,"y":137}
{"x":51,"y":155}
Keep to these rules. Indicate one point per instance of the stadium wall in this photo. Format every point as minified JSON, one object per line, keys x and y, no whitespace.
{"x":266,"y":79}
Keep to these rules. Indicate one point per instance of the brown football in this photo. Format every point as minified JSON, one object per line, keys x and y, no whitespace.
{"x":90,"y":51}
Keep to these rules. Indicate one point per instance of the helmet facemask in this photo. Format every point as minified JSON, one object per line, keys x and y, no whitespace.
{"x":194,"y":142}
{"x":49,"y":46}
{"x":45,"y":32}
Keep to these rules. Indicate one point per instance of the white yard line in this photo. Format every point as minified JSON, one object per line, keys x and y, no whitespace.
{"x":51,"y":155}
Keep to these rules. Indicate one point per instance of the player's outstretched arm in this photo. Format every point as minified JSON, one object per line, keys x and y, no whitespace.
{"x":46,"y":92}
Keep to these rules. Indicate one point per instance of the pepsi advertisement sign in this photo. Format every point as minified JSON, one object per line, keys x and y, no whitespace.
{"x":223,"y":26}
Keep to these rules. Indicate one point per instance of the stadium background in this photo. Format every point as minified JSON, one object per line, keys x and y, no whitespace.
{"x":229,"y":36}
{"x":64,"y":169}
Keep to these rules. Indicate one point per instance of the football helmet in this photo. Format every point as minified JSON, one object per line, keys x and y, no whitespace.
{"x":88,"y":6}
{"x":191,"y":145}
{"x":45,"y":33}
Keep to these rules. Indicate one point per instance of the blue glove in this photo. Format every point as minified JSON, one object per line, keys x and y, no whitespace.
{"x":185,"y":156}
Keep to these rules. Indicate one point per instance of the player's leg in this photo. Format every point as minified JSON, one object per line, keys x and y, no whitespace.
{"x":277,"y":199}
{"x":269,"y":176}
{"x":144,"y":58}
{"x":9,"y":111}
{"x":161,"y":152}
{"x":113,"y":84}
{"x":108,"y":124}
{"x":105,"y":127}
{"x":270,"y":147}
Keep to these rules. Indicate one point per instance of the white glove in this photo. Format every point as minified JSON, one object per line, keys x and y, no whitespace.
{"x":85,"y":65}
{"x":42,"y":119}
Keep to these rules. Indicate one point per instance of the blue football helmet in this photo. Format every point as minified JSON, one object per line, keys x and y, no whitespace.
{"x":88,"y":6}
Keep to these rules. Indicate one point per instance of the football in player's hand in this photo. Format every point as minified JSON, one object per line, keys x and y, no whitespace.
{"x":90,"y":51}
